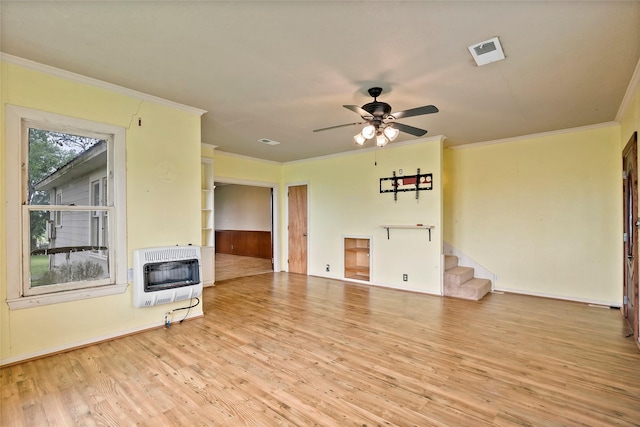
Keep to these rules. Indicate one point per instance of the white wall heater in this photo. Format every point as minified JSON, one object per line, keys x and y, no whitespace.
{"x":167,"y":274}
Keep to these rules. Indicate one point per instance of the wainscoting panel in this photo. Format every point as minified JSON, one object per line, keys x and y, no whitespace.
{"x":245,"y":243}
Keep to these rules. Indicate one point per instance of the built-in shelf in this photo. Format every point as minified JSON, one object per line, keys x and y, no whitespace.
{"x":409,"y":226}
{"x":357,"y":258}
{"x":207,"y":227}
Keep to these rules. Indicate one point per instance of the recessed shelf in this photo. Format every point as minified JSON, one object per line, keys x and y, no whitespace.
{"x":357,"y":258}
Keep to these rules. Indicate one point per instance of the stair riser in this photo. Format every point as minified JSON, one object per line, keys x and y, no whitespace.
{"x":458,"y":275}
{"x":459,"y":282}
{"x":450,"y":261}
{"x":473,"y":289}
{"x":470,"y":294}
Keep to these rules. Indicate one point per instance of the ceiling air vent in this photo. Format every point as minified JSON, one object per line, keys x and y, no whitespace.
{"x":268,"y":141}
{"x":487,"y":51}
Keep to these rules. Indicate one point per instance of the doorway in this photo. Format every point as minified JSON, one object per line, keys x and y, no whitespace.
{"x":245,"y":225}
{"x":631,"y":224}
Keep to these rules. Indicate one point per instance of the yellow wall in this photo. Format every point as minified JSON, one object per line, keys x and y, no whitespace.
{"x":630,"y":123}
{"x":231,"y":167}
{"x":163,"y":181}
{"x":542,"y":214}
{"x":344,"y":199}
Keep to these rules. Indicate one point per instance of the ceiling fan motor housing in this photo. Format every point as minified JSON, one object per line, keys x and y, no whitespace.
{"x":379,"y":110}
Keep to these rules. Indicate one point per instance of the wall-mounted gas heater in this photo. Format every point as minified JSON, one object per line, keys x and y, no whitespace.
{"x":166,"y":274}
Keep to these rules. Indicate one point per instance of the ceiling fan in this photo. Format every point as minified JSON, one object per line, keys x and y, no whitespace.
{"x":381,"y":122}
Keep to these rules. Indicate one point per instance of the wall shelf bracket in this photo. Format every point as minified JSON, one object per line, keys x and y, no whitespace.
{"x":406,"y":226}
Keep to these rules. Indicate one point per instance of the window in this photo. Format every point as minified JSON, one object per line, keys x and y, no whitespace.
{"x":57,"y":216}
{"x":99,"y":219}
{"x":66,"y":208}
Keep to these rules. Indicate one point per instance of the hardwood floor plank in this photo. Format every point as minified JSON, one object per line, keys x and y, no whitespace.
{"x":12,"y":407}
{"x":281,"y":349}
{"x":229,"y":266}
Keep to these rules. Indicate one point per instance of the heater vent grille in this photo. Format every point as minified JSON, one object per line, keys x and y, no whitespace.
{"x":171,"y":253}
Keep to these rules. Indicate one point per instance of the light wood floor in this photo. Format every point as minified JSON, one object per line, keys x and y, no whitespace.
{"x":232,"y":266}
{"x":283,"y":349}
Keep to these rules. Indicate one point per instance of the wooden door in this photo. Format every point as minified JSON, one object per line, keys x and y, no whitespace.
{"x":630,"y":194}
{"x":297,"y":228}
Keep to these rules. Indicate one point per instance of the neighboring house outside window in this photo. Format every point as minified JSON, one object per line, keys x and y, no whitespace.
{"x":68,"y":196}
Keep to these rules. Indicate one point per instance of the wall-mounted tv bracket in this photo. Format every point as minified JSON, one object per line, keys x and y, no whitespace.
{"x":418,"y":182}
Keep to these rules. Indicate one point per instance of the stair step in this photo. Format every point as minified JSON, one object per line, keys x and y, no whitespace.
{"x":456,"y":276}
{"x":450,"y":261}
{"x":473,"y":289}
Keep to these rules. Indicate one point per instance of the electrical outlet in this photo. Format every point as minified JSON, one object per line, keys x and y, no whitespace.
{"x":327,"y":268}
{"x":405,"y":277}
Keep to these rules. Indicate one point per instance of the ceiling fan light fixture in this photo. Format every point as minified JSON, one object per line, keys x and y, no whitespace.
{"x":369,"y":131}
{"x":359,"y":139}
{"x":391,"y":133}
{"x":381,"y":140}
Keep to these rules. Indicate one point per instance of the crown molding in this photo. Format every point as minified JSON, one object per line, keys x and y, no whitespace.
{"x":630,"y":93}
{"x":533,"y":136}
{"x":79,"y":78}
{"x":242,"y":156}
{"x":390,"y":146}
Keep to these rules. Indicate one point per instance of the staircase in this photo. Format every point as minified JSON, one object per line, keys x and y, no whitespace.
{"x":460,"y":283}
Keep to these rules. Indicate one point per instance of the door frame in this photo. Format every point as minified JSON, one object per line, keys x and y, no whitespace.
{"x":286,"y":220}
{"x":275,"y":212}
{"x":633,"y":318}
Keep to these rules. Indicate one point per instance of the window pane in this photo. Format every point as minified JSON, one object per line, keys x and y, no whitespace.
{"x":60,"y":161}
{"x":65,"y":254}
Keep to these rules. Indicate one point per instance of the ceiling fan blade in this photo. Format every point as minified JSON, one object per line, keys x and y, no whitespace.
{"x":338,"y":126}
{"x":363,"y":113}
{"x":408,"y":129}
{"x":427,"y":109}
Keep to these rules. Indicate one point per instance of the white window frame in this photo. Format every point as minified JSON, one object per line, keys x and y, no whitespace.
{"x":101,"y":216}
{"x":58,"y":201}
{"x":16,"y":151}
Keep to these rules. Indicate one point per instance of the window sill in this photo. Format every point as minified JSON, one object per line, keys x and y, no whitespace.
{"x":67,"y":296}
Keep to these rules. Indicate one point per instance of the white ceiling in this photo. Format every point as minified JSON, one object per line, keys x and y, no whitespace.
{"x":278,"y":70}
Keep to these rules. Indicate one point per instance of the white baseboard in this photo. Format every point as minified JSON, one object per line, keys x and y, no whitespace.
{"x":85,"y":343}
{"x":561,"y":297}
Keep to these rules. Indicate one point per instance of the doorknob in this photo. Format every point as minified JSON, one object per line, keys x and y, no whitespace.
{"x":304,"y":234}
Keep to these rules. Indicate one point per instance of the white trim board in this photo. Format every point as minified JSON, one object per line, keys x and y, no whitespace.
{"x":610,"y":304}
{"x":533,"y":136}
{"x":440,"y":138}
{"x":90,"y":341}
{"x":79,"y":78}
{"x":630,"y":93}
{"x":275,"y":211}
